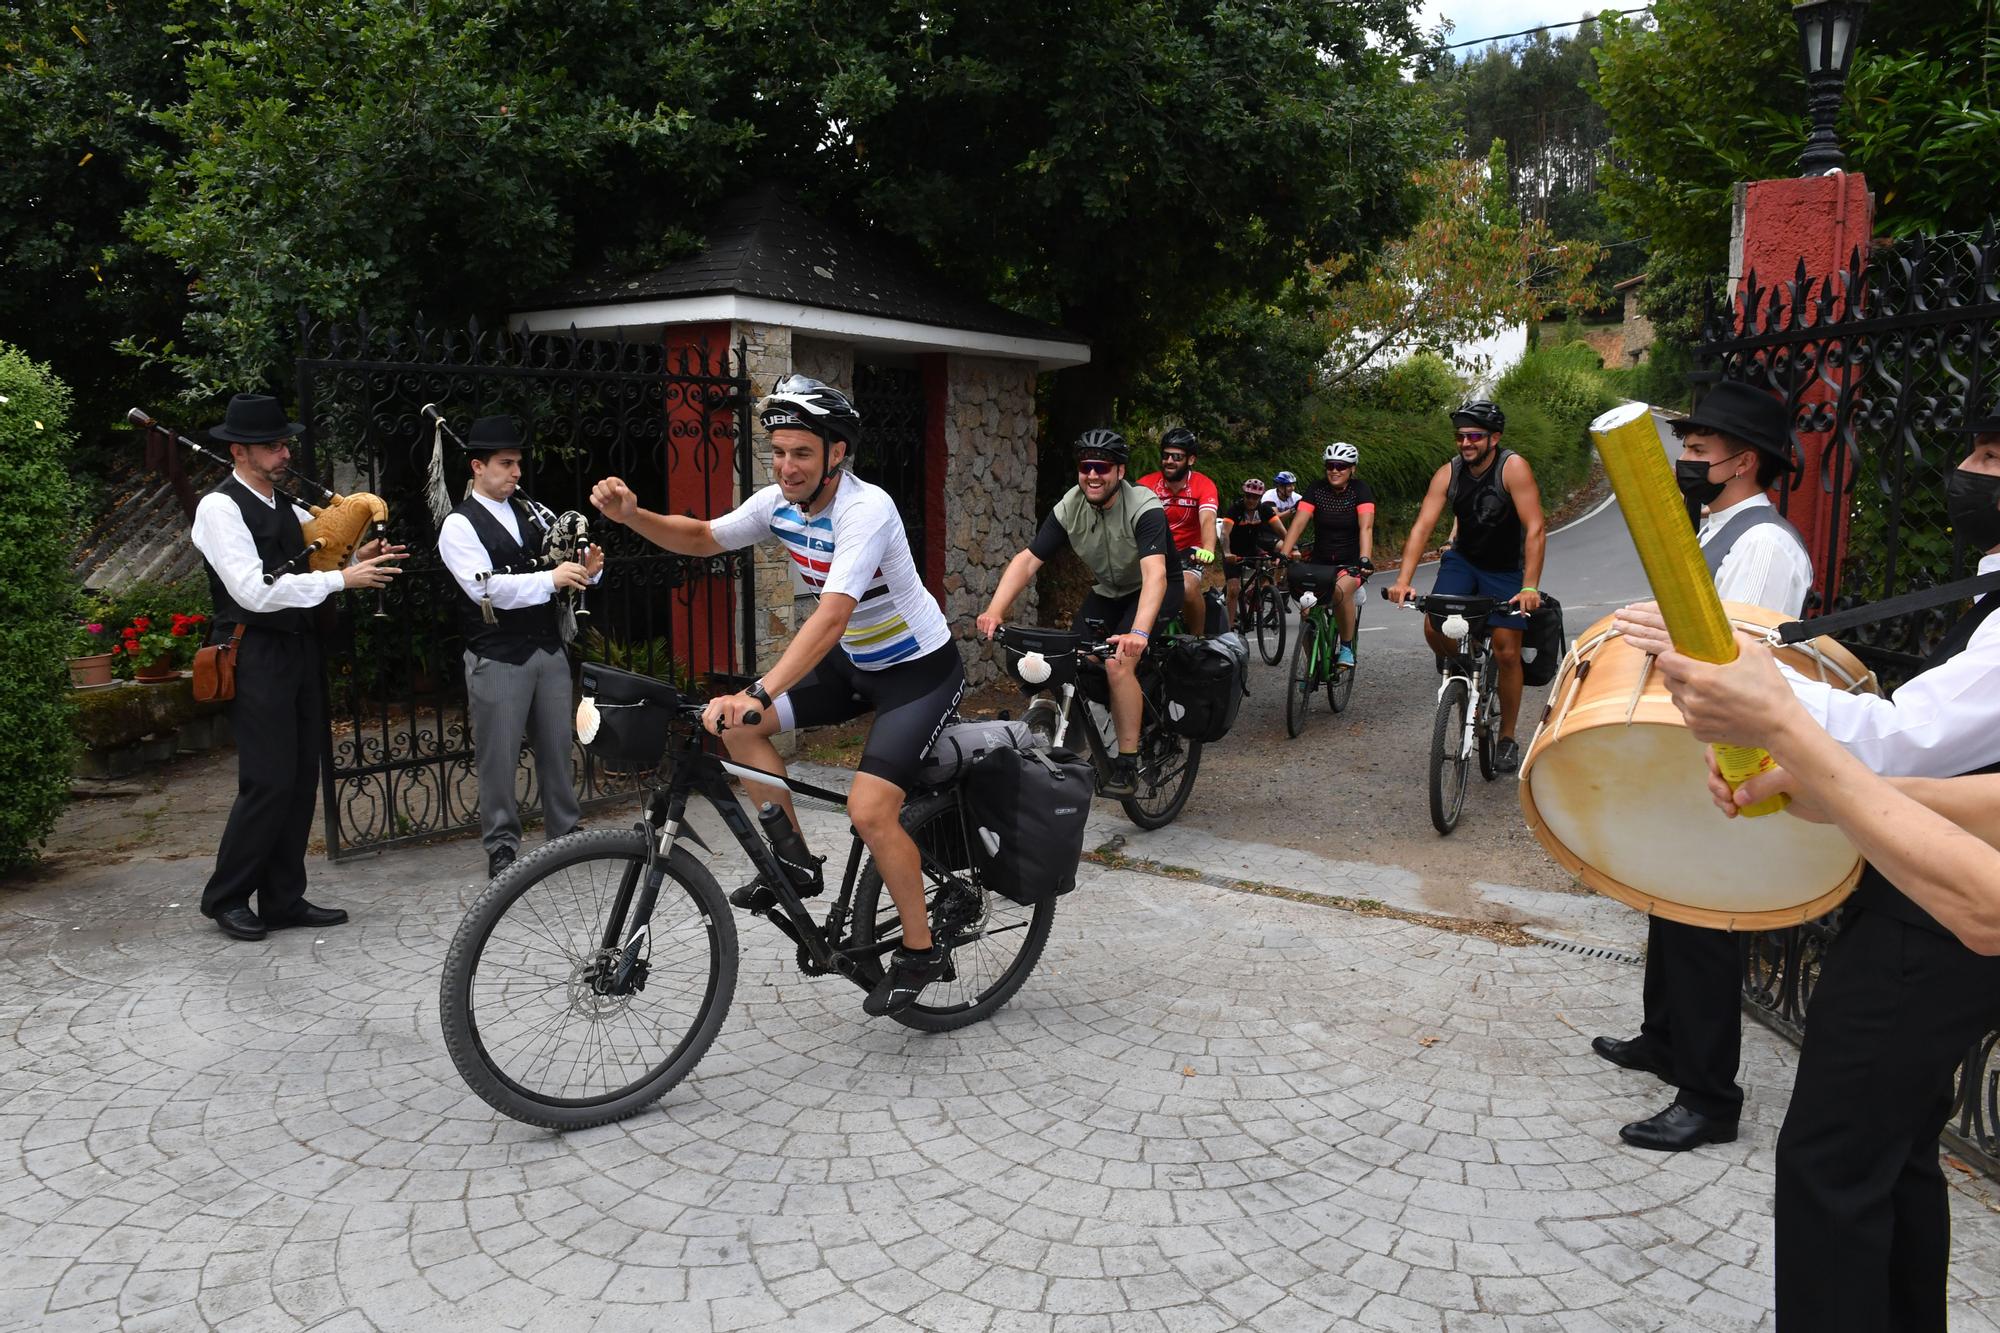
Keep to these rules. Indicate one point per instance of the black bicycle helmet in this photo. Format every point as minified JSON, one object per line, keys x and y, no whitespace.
{"x":1099,"y":442}
{"x":1180,"y":437}
{"x":1481,"y":413}
{"x":799,"y":402}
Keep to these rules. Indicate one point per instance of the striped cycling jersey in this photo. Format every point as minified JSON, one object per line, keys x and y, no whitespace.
{"x":856,"y":546}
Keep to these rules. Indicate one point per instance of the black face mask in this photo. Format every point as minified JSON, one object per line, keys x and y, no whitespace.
{"x":1970,"y":503}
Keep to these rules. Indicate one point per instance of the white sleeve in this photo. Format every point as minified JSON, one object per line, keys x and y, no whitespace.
{"x":1766,"y":568}
{"x":465,"y":556}
{"x":861,"y":537}
{"x":1940,"y":724}
{"x":223,"y":540}
{"x":748,"y":522}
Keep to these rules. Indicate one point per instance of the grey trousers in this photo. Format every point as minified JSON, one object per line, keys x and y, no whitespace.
{"x":510,"y":703}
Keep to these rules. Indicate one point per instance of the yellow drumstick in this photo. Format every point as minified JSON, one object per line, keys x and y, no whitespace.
{"x":1657,"y":515}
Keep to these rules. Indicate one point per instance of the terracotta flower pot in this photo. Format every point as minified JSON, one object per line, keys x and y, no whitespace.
{"x":88,"y":672}
{"x":162,"y":668}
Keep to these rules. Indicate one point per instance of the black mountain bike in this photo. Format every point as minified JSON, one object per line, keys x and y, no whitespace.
{"x":1168,"y":761}
{"x":1468,"y":704}
{"x":591,"y":976}
{"x":1261,"y":606}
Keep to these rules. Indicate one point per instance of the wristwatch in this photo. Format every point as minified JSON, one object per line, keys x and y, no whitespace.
{"x":759,"y":693}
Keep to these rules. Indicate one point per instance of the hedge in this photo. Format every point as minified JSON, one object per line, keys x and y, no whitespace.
{"x":39,"y":502}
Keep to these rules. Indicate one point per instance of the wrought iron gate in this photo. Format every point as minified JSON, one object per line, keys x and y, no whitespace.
{"x":891,"y":402}
{"x":1893,"y":356}
{"x":398,"y":761}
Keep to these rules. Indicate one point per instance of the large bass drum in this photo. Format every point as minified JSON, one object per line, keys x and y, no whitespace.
{"x":1616,"y":788}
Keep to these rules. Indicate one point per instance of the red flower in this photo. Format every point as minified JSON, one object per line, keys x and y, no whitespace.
{"x":142,"y":623}
{"x":180,"y":631}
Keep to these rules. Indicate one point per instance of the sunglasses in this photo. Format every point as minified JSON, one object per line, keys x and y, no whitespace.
{"x":1095,"y":467}
{"x":1338,"y":467}
{"x":1173,"y":457}
{"x":1473,"y":436}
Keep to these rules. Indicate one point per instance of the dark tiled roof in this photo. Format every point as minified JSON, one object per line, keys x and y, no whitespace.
{"x":141,"y":536}
{"x":764,"y":244}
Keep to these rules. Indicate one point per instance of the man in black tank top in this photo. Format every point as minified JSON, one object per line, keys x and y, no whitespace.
{"x":243,"y":530}
{"x":1496,"y":549}
{"x":1863,"y":1230}
{"x":517,"y":683}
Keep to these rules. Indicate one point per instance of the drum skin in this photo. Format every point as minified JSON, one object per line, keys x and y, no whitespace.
{"x":1616,"y":788}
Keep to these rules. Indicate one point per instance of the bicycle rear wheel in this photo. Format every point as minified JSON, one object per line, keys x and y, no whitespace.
{"x":1340,"y":686}
{"x":1488,"y":732}
{"x":524,"y":1003}
{"x":996,"y":941}
{"x":1168,"y":763}
{"x":1299,"y":686}
{"x":1268,"y":610}
{"x":1449,"y":762}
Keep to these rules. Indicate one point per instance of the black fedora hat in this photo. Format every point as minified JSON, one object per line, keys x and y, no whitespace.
{"x":255,"y":418}
{"x":492,"y":434}
{"x":1744,"y":413}
{"x":1986,"y":425}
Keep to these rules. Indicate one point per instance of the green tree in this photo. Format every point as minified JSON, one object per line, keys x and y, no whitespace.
{"x":37,"y":533}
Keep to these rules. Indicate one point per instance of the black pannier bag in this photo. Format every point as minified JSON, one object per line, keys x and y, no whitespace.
{"x":623,"y":715}
{"x":1024,"y":811}
{"x":1543,"y":643}
{"x":1203,"y":683}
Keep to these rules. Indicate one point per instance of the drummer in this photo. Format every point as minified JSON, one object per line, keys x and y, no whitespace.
{"x":1863,"y":1221}
{"x":1734,"y":447}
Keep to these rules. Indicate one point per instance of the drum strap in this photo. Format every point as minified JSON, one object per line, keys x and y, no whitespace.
{"x":1839,"y":622}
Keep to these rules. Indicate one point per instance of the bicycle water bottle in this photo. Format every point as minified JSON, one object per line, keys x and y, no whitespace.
{"x":800,"y":865}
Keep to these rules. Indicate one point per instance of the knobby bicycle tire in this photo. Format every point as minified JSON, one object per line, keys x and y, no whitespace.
{"x":1340,"y":685}
{"x":517,"y":1009}
{"x":1448,"y":760}
{"x":1269,"y":612}
{"x":989,"y":969}
{"x":1167,"y":767}
{"x":1487,"y":735}
{"x":1299,"y":682}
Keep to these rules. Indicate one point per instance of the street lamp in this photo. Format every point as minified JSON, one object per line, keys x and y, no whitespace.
{"x":1829,"y":30}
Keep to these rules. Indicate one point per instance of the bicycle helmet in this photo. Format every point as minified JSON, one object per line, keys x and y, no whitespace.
{"x":1286,"y":479}
{"x":1341,"y":452}
{"x":1253,"y":487}
{"x":799,"y":402}
{"x":1099,"y":442}
{"x":1180,"y":437}
{"x":1480,"y":413}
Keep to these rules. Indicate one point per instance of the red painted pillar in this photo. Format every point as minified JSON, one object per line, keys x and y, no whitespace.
{"x":1822,"y":222}
{"x":701,"y":480}
{"x":937,"y":401}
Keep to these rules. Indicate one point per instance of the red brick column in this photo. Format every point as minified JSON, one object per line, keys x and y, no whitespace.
{"x":701,"y":480}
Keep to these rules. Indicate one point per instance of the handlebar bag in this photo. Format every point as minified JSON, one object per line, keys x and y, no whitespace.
{"x":1025,"y":808}
{"x":1543,"y":643}
{"x":622,"y":717}
{"x":1204,"y":684}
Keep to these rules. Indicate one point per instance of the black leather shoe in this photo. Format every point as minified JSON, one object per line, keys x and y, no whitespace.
{"x":240,"y":923}
{"x":1634,"y":1054}
{"x":1678,"y":1129}
{"x":498,"y":860}
{"x":308,"y":915}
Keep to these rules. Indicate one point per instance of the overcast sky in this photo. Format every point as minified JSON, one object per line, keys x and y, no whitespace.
{"x":1484,"y":18}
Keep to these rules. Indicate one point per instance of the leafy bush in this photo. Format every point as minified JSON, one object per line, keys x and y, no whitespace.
{"x":1661,"y":381}
{"x":37,"y":534}
{"x":1422,"y":383}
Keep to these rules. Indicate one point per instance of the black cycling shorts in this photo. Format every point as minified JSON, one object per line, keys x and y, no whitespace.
{"x":912,"y":701}
{"x":1101,"y":617}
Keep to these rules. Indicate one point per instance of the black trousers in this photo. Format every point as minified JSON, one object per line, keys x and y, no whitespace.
{"x":279,"y":720}
{"x":1863,"y":1220}
{"x":1694,"y":984}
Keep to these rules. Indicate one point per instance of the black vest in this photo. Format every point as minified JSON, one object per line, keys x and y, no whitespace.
{"x":1875,"y":893}
{"x":1490,"y":534}
{"x":275,"y":529}
{"x":517,"y":634}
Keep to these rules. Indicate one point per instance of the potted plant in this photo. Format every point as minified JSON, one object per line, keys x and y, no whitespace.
{"x":92,"y":648}
{"x":152,"y":652}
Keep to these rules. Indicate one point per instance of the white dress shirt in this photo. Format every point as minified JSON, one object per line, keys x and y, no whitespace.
{"x":1941,"y":723}
{"x":466,"y":557}
{"x":225,"y":542}
{"x":1766,"y":567}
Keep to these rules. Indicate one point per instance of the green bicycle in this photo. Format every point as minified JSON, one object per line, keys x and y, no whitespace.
{"x":1316,"y":657}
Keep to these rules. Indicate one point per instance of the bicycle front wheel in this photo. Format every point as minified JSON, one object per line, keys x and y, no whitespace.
{"x":1300,"y":685}
{"x":1449,"y":762}
{"x":1269,"y":612}
{"x":996,"y":941}
{"x":532,"y":1016}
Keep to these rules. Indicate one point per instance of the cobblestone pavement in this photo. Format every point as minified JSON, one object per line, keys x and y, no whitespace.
{"x":1207,"y":1110}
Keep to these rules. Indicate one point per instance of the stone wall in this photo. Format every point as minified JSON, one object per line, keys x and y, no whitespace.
{"x":989,"y":493}
{"x":1637,"y":331}
{"x":828,"y":362}
{"x":769,"y":360}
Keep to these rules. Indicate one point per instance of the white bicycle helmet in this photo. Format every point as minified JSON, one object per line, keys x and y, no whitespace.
{"x":1341,"y":452}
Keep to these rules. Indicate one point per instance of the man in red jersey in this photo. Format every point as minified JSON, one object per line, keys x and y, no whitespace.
{"x":1191,"y":502}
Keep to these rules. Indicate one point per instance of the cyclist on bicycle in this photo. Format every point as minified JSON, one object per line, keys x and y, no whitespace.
{"x":1250,"y":528}
{"x":1496,"y":553}
{"x":847,"y":544}
{"x":1191,"y":502}
{"x":1119,"y":531}
{"x":1284,"y":499}
{"x":1342,"y":508}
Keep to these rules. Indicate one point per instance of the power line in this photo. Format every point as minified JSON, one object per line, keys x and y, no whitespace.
{"x":1542,"y":27}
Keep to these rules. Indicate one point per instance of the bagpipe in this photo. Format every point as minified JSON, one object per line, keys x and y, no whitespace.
{"x":339,"y":523}
{"x":565,"y":536}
